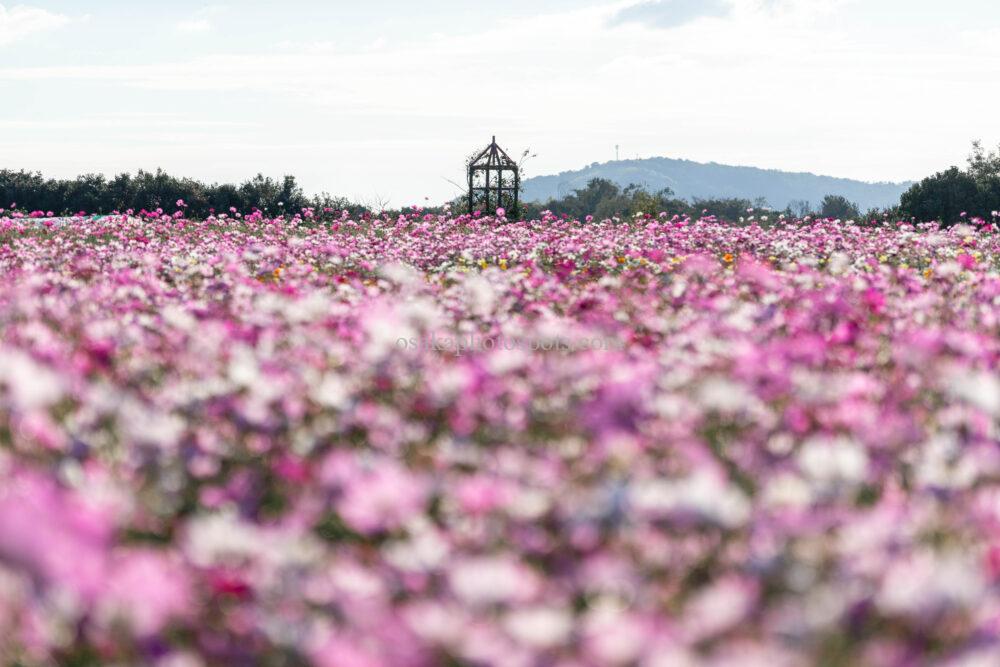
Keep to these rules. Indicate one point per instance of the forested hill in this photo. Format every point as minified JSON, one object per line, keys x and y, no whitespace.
{"x":694,"y":180}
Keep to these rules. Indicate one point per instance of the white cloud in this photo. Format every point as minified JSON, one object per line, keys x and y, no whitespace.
{"x":670,"y":13}
{"x":117,"y":121}
{"x":202,"y":21}
{"x":21,"y":22}
{"x":195,"y":25}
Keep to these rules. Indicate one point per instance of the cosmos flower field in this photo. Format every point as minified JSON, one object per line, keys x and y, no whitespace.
{"x":437,"y":440}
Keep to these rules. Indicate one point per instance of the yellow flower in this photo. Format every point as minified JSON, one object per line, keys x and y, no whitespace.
{"x":621,"y":259}
{"x":482,"y":263}
{"x":503,"y":264}
{"x":928,"y":273}
{"x":883,"y":258}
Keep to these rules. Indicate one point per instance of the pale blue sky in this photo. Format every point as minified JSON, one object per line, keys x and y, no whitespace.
{"x":386,"y":98}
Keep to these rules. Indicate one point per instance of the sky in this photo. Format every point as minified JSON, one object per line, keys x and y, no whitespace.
{"x":383,"y":100}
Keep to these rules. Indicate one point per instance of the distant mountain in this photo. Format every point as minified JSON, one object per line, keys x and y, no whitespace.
{"x":690,"y":180}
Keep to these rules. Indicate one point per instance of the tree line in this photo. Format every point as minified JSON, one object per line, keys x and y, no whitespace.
{"x":948,"y":196}
{"x":956,"y":193}
{"x":603,"y":198}
{"x":150,"y":191}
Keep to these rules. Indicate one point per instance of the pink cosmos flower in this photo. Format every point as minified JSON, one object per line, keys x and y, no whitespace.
{"x":381,"y":498}
{"x":146,"y":589}
{"x":53,"y":534}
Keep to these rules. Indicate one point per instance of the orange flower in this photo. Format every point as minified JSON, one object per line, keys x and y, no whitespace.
{"x":728,"y":258}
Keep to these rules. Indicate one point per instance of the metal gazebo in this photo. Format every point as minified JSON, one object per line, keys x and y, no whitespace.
{"x":494,"y":181}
